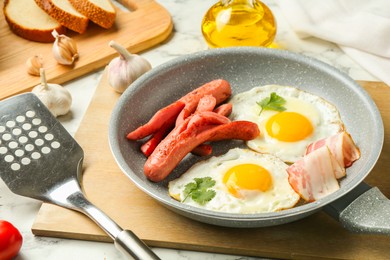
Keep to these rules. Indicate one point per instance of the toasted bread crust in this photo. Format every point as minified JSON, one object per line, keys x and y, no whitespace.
{"x":31,"y":33}
{"x":96,"y":14}
{"x":75,"y":23}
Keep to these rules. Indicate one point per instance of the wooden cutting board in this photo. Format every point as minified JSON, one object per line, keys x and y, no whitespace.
{"x":143,"y":25}
{"x":317,"y":236}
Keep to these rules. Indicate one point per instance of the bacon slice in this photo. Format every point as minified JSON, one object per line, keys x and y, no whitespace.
{"x":342,"y":147}
{"x":314,"y":176}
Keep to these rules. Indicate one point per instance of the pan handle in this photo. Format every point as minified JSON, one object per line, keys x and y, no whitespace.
{"x":363,"y":210}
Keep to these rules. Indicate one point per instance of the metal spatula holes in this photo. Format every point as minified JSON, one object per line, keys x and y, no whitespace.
{"x":33,"y":134}
{"x":13,"y":145}
{"x":3,"y":150}
{"x":7,"y":137}
{"x":39,"y":159}
{"x":10,"y":124}
{"x":16,"y":131}
{"x":30,"y":113}
{"x":20,"y":119}
{"x":25,"y":139}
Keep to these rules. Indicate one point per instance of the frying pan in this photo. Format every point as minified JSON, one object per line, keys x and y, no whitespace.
{"x":359,"y":207}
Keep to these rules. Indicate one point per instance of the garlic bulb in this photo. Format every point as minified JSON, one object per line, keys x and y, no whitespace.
{"x":34,"y":64}
{"x":126,"y":68}
{"x":56,"y":98}
{"x":64,"y":49}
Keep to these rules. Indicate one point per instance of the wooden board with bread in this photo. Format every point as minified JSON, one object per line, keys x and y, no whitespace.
{"x":26,"y":28}
{"x":35,"y":20}
{"x":65,"y":14}
{"x":26,"y":19}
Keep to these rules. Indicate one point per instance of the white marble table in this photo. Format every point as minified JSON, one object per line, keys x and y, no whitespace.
{"x":186,"y":38}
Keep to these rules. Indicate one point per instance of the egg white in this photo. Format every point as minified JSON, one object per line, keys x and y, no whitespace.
{"x":280,"y":196}
{"x":323,"y":116}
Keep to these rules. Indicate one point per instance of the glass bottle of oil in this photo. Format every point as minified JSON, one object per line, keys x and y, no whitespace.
{"x":239,"y":23}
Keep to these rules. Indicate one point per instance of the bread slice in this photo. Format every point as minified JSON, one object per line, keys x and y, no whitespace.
{"x":27,"y":20}
{"x":65,"y":14}
{"x":101,"y":12}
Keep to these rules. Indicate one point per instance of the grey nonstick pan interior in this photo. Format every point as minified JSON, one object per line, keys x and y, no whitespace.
{"x":245,"y":68}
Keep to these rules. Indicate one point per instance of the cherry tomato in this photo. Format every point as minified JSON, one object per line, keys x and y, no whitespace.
{"x":10,"y":240}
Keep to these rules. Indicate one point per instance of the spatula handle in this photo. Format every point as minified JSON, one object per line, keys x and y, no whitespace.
{"x":130,"y":245}
{"x":125,"y":241}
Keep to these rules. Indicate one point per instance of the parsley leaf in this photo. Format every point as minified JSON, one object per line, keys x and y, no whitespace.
{"x":200,"y":190}
{"x":273,"y":102}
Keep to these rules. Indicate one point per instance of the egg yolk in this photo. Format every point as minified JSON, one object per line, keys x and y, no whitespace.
{"x":247,"y":177}
{"x":289,"y":127}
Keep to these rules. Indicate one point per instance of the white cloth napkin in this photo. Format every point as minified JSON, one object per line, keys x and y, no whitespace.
{"x":361,"y":28}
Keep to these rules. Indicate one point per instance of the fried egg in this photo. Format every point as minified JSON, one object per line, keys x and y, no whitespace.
{"x":287,"y":133}
{"x":246,"y":182}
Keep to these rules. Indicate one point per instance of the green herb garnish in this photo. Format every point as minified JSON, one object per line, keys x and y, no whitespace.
{"x":273,"y":102}
{"x":200,"y":191}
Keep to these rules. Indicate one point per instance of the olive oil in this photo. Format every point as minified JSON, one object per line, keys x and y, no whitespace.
{"x":239,"y":23}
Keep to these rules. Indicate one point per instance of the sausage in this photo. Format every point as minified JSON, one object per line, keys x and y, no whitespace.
{"x":202,"y":150}
{"x":168,"y":113}
{"x":224,"y":109}
{"x":219,"y":88}
{"x":206,"y":103}
{"x":206,"y":149}
{"x":205,"y":118}
{"x":174,"y":148}
{"x":148,"y":147}
{"x":184,"y":107}
{"x":246,"y":133}
{"x":193,"y":121}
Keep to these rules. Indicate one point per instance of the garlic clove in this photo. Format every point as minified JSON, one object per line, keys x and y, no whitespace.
{"x":125,"y":69}
{"x":56,"y":98}
{"x":64,"y":49}
{"x":34,"y":64}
